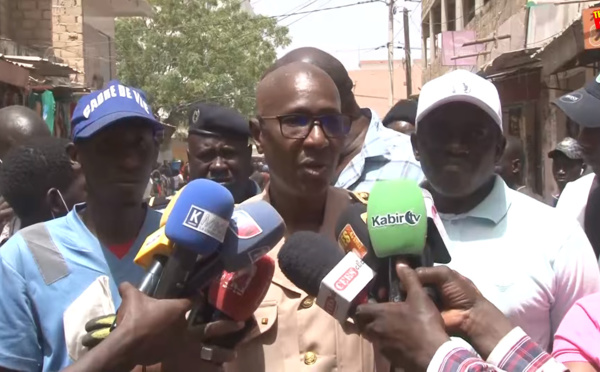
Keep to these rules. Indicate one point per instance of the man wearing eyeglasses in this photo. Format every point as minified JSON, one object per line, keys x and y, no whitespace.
{"x":301,"y":131}
{"x":371,"y":152}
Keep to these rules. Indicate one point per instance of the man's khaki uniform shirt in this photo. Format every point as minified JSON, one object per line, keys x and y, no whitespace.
{"x":293,"y":333}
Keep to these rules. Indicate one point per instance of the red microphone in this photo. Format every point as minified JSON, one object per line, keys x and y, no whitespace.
{"x":240,"y":293}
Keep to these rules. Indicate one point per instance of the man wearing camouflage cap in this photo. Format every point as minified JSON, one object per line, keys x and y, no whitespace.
{"x":567,"y":164}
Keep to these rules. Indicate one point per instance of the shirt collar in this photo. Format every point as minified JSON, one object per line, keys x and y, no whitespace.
{"x":374,"y":135}
{"x":149,"y":224}
{"x":493,"y":208}
{"x":374,"y":146}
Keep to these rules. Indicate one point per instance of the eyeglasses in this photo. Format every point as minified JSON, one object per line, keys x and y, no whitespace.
{"x":298,"y":126}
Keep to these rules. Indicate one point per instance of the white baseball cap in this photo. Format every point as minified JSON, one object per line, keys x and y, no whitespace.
{"x":460,"y":86}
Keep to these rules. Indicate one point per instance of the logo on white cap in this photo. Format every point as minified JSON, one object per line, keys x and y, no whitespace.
{"x":571,"y":98}
{"x":461,"y":88}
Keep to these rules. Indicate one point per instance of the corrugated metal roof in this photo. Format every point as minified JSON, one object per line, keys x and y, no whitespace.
{"x":41,"y":66}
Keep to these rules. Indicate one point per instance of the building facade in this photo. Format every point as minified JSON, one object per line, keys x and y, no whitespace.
{"x":372,"y":84}
{"x":53,"y":51}
{"x":79,"y":33}
{"x":532,"y":55}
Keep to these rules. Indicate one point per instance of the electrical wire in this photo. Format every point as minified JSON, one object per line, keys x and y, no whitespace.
{"x":299,"y":8}
{"x":306,"y":15}
{"x":330,"y":8}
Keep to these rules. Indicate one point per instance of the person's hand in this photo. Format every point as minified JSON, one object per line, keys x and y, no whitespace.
{"x":206,"y":344}
{"x":155,"y":329}
{"x":465,"y":311}
{"x":407,"y":333}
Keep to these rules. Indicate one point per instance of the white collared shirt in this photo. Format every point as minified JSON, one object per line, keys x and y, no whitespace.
{"x":574,"y":198}
{"x":530,"y":261}
{"x":385,"y":155}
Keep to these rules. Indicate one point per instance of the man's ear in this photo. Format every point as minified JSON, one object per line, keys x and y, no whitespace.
{"x":187,"y":152}
{"x":516,"y":166}
{"x":255,"y":132}
{"x":55,"y":204}
{"x":73,"y":154}
{"x":415,"y":146}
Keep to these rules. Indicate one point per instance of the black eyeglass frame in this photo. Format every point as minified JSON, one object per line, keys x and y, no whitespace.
{"x":314,"y":120}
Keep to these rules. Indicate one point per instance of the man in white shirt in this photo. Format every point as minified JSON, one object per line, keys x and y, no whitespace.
{"x":528,"y":260}
{"x":581,"y":198}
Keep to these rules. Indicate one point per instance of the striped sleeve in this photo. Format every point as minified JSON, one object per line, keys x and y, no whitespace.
{"x":515,"y":352}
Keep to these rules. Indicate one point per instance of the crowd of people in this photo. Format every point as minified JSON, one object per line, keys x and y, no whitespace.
{"x":521,"y":293}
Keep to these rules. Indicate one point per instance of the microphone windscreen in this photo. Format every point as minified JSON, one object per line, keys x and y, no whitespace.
{"x":353,"y":235}
{"x":306,"y":258}
{"x":254,"y":230}
{"x":397,"y":218}
{"x":200,"y":216}
{"x":238,"y":294}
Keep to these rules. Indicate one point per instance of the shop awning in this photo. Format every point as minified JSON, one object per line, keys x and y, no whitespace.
{"x":41,"y":66}
{"x":511,"y":61}
{"x":13,"y":74}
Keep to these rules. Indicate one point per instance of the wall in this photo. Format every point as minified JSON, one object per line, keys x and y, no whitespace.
{"x":32,"y":23}
{"x":99,"y":51}
{"x":372,"y":84}
{"x":67,"y":17}
{"x":5,"y":21}
{"x":547,"y":22}
{"x":503,"y":16}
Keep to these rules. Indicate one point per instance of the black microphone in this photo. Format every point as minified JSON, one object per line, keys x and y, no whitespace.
{"x":317,"y":266}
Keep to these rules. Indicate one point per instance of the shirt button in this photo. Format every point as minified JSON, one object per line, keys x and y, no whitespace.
{"x":307,"y":302}
{"x":310,"y":358}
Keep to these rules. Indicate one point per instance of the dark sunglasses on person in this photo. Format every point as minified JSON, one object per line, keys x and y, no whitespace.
{"x":298,"y":126}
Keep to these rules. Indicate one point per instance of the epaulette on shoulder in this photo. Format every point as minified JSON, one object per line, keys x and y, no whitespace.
{"x":360,"y":196}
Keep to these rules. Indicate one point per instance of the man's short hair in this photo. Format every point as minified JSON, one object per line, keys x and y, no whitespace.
{"x":403,"y":110}
{"x":31,"y":169}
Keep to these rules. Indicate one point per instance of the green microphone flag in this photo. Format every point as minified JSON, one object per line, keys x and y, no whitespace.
{"x":397,"y":218}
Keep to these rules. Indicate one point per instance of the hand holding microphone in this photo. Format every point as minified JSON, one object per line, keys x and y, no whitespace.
{"x":466,"y":313}
{"x":408,"y":333}
{"x":149,"y":331}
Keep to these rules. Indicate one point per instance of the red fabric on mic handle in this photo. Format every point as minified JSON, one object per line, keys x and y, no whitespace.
{"x":239,"y":294}
{"x":236,"y":296}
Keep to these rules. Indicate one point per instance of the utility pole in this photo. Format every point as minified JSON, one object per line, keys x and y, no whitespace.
{"x":407,"y":59}
{"x":391,"y":49}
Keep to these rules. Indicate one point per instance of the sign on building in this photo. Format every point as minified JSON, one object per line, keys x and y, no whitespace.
{"x":591,"y":32}
{"x":454,"y":52}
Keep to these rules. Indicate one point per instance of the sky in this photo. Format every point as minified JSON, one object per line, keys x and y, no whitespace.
{"x":351,"y":33}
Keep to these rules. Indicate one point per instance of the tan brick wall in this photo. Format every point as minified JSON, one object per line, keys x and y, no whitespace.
{"x":32,"y":23}
{"x":67,"y":38}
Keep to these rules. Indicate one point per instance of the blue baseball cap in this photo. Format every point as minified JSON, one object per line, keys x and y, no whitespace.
{"x":102,"y":108}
